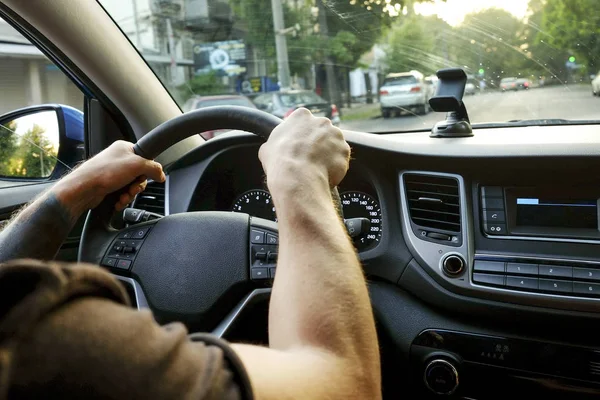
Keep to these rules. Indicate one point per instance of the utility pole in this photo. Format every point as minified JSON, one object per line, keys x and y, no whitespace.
{"x":138,"y":41}
{"x":329,"y":71}
{"x":283,"y":66}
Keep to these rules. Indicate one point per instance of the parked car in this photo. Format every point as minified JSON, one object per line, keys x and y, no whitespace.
{"x":470,"y":89}
{"x":508,"y":84}
{"x":523,"y":84}
{"x":197,"y":102}
{"x":405,"y":90}
{"x":596,"y":85}
{"x":283,"y":103}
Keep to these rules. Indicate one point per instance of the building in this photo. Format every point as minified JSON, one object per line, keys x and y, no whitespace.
{"x":28,"y":78}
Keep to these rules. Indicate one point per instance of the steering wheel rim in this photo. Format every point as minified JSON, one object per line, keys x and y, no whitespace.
{"x":98,"y":234}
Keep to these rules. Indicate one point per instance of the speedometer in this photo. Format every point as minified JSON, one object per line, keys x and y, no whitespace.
{"x":362,"y":216}
{"x":257,"y":203}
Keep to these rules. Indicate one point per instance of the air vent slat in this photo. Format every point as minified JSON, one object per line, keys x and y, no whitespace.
{"x":152,"y":199}
{"x":433,"y":202}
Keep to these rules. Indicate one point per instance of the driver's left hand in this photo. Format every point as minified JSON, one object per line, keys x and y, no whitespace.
{"x":113,"y":169}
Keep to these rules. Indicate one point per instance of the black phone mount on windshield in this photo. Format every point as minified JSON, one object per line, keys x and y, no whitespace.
{"x":448,"y":98}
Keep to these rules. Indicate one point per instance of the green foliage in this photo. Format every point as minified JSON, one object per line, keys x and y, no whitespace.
{"x":8,"y":145}
{"x":36,"y":155}
{"x":574,"y":27}
{"x":203,"y":85}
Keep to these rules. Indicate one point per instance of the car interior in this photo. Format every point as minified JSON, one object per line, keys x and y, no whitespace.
{"x":480,"y":250}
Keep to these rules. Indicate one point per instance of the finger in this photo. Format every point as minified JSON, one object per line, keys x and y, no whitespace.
{"x":154,"y":171}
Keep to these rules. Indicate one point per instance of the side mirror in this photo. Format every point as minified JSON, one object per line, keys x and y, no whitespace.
{"x":41,"y":142}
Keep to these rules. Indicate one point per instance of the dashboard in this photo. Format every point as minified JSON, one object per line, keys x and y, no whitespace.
{"x":482,"y":253}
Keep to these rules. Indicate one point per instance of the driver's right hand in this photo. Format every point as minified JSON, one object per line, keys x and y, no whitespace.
{"x":303,"y":150}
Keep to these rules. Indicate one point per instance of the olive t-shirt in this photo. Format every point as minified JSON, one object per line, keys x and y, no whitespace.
{"x":67,"y":331}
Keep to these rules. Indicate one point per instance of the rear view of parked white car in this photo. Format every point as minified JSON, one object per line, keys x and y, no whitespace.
{"x":406,"y":91}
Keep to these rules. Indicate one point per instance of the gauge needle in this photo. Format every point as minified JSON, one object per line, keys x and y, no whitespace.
{"x":357,"y":226}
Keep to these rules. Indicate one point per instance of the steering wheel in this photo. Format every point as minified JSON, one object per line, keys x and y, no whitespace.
{"x":193,"y":267}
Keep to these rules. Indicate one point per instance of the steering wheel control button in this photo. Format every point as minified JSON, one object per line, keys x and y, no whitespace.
{"x":519,"y":282}
{"x":589,"y":289}
{"x":441,"y":377}
{"x":488,"y":279}
{"x":493,"y":216}
{"x":453,"y":265}
{"x":272,"y":257}
{"x":261,"y":256}
{"x":494,"y":229}
{"x":556,"y":286}
{"x":488,"y":266}
{"x":256,"y":236}
{"x":272,"y":239}
{"x":259,"y":273}
{"x":555,"y":271}
{"x":109,"y":262}
{"x":140,"y":233}
{"x":272,"y":272}
{"x":586,"y":273}
{"x":123,"y":264}
{"x":521,"y":269}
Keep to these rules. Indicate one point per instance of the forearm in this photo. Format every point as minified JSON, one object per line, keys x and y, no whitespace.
{"x":320,"y":298}
{"x":39,"y":229}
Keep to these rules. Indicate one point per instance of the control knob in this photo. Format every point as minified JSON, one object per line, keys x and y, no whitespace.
{"x":441,"y":377}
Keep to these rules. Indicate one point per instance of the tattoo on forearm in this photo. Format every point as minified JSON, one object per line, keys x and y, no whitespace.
{"x":37,"y":232}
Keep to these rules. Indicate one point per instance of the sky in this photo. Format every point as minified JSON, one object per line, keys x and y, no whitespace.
{"x":454,"y":11}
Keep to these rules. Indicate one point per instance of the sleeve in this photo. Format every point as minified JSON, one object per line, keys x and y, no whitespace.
{"x":93,"y":347}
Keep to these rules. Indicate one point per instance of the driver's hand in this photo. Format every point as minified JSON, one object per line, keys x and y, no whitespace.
{"x":303,"y":150}
{"x":114,"y":168}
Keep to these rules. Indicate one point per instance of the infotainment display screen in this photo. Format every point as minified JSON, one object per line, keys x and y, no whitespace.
{"x":557,"y":213}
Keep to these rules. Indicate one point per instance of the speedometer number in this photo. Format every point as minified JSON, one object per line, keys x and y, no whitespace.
{"x":359,"y":205}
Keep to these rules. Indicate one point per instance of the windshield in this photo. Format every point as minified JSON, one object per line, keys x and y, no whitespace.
{"x":527,"y":59}
{"x":295,"y":99}
{"x":400,"y":80}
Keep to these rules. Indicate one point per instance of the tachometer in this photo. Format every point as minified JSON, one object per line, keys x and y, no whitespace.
{"x":257,"y":203}
{"x":362,"y":216}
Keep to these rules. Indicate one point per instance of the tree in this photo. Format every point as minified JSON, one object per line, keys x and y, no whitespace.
{"x":36,"y":155}
{"x":492,"y":40}
{"x":203,"y":84}
{"x":8,"y":145}
{"x":573,"y":27}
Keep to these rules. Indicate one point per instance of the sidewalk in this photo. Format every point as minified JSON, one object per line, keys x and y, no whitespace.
{"x":361,"y":111}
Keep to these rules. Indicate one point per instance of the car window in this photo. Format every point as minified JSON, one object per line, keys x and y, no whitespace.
{"x":296,"y":99}
{"x":29,"y":142}
{"x":345,"y":51}
{"x":400,"y":80}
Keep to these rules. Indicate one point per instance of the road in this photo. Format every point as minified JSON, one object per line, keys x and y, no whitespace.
{"x":573,"y":102}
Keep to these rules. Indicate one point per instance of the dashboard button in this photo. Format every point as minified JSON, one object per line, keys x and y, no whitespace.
{"x":555,"y":271}
{"x":586,"y":288}
{"x":586,"y":273}
{"x":494,"y":229}
{"x":493,"y":203}
{"x":521,"y":269}
{"x":492,"y":191}
{"x":556,"y":286}
{"x":519,"y":282}
{"x":488,"y":266}
{"x":488,"y":279}
{"x":259,"y":273}
{"x":494,"y":216}
{"x":257,"y":236}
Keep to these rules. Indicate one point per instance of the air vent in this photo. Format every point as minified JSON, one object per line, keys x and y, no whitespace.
{"x":152,"y":199}
{"x":433,"y":202}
